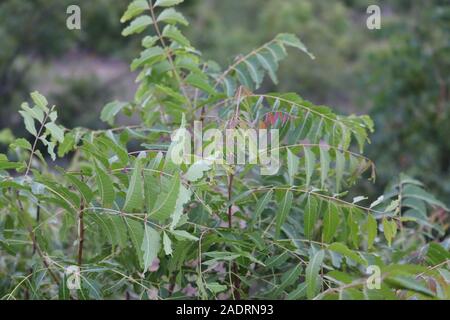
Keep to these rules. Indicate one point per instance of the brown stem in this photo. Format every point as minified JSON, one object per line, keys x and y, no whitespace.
{"x":236,"y":282}
{"x":36,"y":247}
{"x":80,"y":234}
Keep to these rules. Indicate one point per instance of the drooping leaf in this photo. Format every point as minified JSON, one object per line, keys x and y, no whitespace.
{"x":283,"y":212}
{"x":312,"y":274}
{"x":150,"y":246}
{"x":293,"y":164}
{"x":134,"y":199}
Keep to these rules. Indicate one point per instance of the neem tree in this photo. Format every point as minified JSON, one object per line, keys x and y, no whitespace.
{"x":137,"y":225}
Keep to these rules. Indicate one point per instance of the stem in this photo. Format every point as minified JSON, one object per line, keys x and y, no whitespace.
{"x":236,"y":282}
{"x":33,"y":149}
{"x":80,"y":234}
{"x":36,"y":247}
{"x":169,"y":56}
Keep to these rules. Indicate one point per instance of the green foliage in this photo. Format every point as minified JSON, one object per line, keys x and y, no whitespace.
{"x":138,"y":224}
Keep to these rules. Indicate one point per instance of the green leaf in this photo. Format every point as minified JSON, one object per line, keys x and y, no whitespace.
{"x":149,"y":57}
{"x":310,"y":216}
{"x":200,"y":82}
{"x":105,"y":187}
{"x":56,"y":132}
{"x":167,"y":3}
{"x":195,"y":171}
{"x":82,"y":187}
{"x":111,"y":110}
{"x":150,"y":246}
{"x":165,"y":205}
{"x":340,"y":166}
{"x":285,"y":208}
{"x":330,"y":222}
{"x":371,"y":230}
{"x":293,"y":163}
{"x":134,"y":198}
{"x":288,"y":279}
{"x":29,"y":123}
{"x":40,"y":101}
{"x":183,"y":235}
{"x":292,"y":41}
{"x":389,"y":229}
{"x":409,"y":283}
{"x":36,"y":112}
{"x":134,"y":9}
{"x":413,"y":191}
{"x":262,"y":204}
{"x":184,"y":196}
{"x":310,"y":161}
{"x":137,"y":25}
{"x":267,"y":62}
{"x":324,"y":165}
{"x":343,"y":250}
{"x":136,"y":232}
{"x":167,"y":244}
{"x":215,"y":287}
{"x":174,"y":34}
{"x":436,"y":254}
{"x":312,"y":274}
{"x":6,"y":165}
{"x":172,"y":16}
{"x":298,"y":293}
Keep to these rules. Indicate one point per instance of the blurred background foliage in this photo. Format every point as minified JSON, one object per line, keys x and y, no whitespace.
{"x":399,"y":74}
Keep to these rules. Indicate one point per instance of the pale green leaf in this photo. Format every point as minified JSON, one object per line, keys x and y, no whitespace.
{"x":150,"y":246}
{"x":312,"y":274}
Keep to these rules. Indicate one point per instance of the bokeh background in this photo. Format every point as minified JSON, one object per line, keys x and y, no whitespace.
{"x":400,"y":75}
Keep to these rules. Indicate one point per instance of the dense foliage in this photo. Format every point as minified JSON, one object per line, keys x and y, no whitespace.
{"x":139,"y":225}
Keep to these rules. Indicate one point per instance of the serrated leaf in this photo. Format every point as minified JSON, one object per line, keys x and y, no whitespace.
{"x":137,"y":25}
{"x":184,"y":235}
{"x":372,"y":228}
{"x":267,"y":62}
{"x":283,"y":212}
{"x":311,"y":214}
{"x":134,"y":9}
{"x":409,"y":283}
{"x":389,"y":229}
{"x":312,"y":274}
{"x":330,"y":222}
{"x":174,"y":34}
{"x":105,"y":187}
{"x":293,"y":163}
{"x":262,"y":204}
{"x":167,"y":244}
{"x":56,"y":132}
{"x":136,"y":232}
{"x":310,"y":161}
{"x":134,"y":198}
{"x":29,"y":123}
{"x":36,"y":112}
{"x":343,"y":250}
{"x":111,"y":110}
{"x":172,"y":16}
{"x":324,"y":166}
{"x":165,"y":205}
{"x":340,"y":166}
{"x":196,"y":170}
{"x":40,"y":101}
{"x":167,"y":3}
{"x":200,"y":82}
{"x":184,"y":196}
{"x":150,"y":246}
{"x":291,"y":40}
{"x":149,"y":57}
